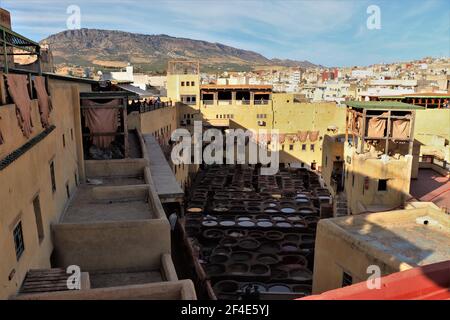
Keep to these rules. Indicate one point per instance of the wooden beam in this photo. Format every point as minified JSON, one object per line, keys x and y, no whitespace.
{"x":388,"y":133}
{"x":411,"y":132}
{"x":363,"y":129}
{"x":125,"y":126}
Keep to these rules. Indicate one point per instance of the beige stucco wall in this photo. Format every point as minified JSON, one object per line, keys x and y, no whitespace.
{"x":335,"y":255}
{"x":432,"y":130}
{"x":360,"y":166}
{"x":332,"y":149}
{"x":112,"y":245}
{"x":392,"y":240}
{"x":29,"y":176}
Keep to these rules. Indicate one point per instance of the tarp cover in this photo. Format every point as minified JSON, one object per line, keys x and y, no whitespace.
{"x":400,"y":129}
{"x":313,"y":135}
{"x":45,"y":105}
{"x":17,"y":88}
{"x":376,"y":127}
{"x":101,"y":120}
{"x":302,"y":135}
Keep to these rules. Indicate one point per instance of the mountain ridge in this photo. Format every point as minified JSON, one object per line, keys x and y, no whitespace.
{"x":114,"y":48}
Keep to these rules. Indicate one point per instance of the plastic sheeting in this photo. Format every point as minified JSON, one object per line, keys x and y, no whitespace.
{"x":17,"y":88}
{"x":313,"y":136}
{"x":102,"y":120}
{"x":400,"y":129}
{"x":45,"y":106}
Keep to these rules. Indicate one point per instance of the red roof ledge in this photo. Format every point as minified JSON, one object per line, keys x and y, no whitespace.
{"x":430,"y":282}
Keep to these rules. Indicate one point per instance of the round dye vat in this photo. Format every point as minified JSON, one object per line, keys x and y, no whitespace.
{"x":269,"y":247}
{"x":227,"y":223}
{"x":301,"y":200}
{"x":226,"y":286}
{"x":222,"y":250}
{"x":287,"y":210}
{"x":194,"y":209}
{"x":283,"y":225}
{"x":294,"y":218}
{"x":235,"y":233}
{"x":228,"y":242}
{"x":218,"y":258}
{"x":279,"y":274}
{"x":243,"y":218}
{"x":209,"y":223}
{"x":270,"y":210}
{"x":256,"y":234}
{"x":274,"y":235}
{"x":271,"y":204}
{"x":240,"y":256}
{"x":253,"y":209}
{"x":215,"y":269}
{"x":259,"y":269}
{"x":254,"y":286}
{"x":306,"y":211}
{"x":247,"y":224}
{"x":278,"y":288}
{"x":249,"y":244}
{"x":264,"y":223}
{"x":266,"y":258}
{"x":237,"y":268}
{"x":220,"y":209}
{"x":290,"y":246}
{"x":278,"y":218}
{"x":213,"y":234}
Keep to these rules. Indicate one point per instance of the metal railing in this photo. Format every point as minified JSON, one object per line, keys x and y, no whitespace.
{"x":10,"y":40}
{"x":151,"y":107}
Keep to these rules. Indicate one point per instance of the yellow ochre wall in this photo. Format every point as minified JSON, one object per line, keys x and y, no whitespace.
{"x":360,"y":166}
{"x":432,"y":130}
{"x":29,"y":176}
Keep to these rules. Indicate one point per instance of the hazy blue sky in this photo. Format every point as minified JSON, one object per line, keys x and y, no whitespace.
{"x":332,"y":33}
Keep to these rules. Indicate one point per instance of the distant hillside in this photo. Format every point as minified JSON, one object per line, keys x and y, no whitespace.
{"x":105,"y":48}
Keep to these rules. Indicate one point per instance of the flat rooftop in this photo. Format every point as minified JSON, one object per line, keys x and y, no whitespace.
{"x":417,"y":236}
{"x":164,"y":179}
{"x":430,"y":186}
{"x":236,"y":87}
{"x":117,"y":279}
{"x":85,"y":207}
{"x":382,"y":105}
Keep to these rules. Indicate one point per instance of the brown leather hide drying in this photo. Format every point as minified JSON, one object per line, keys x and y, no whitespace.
{"x":302,"y":135}
{"x":101,"y":120}
{"x":376,"y":127}
{"x":400,"y":129}
{"x":45,"y":106}
{"x":313,"y":136}
{"x":17,"y":88}
{"x":281,"y":137}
